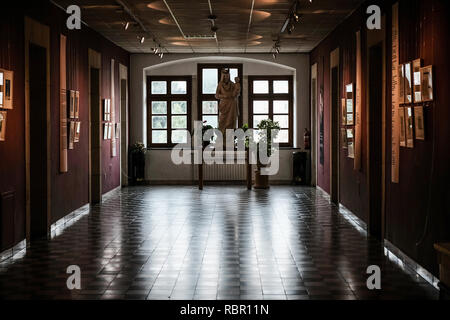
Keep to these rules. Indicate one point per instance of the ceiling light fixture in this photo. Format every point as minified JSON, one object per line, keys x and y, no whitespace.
{"x":126,"y":25}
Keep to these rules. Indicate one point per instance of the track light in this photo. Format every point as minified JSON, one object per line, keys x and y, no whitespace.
{"x":141,"y":39}
{"x":126,"y":25}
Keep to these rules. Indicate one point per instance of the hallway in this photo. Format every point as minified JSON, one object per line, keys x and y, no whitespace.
{"x":221,"y":243}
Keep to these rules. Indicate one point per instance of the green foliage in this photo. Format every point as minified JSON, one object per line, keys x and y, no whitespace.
{"x":138,"y":147}
{"x":268,"y":131}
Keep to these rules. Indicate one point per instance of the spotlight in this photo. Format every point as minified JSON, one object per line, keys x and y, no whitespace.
{"x":161,"y":55}
{"x":142,"y":40}
{"x":274,"y":55}
{"x":126,"y":25}
{"x":296,"y":17}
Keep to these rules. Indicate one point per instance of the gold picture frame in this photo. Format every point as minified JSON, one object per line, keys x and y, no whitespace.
{"x":408,"y":83}
{"x":351,"y":143}
{"x":77,"y":131}
{"x":71,"y":135}
{"x":401,"y":83}
{"x":409,"y":127}
{"x":77,"y":105}
{"x":417,"y":83}
{"x":419,"y":122}
{"x":3,"y":116}
{"x":426,"y":77}
{"x":350,"y":110}
{"x":6,"y":89}
{"x":402,"y":127}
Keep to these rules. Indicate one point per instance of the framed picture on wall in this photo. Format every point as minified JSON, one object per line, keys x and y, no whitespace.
{"x":71,"y":104}
{"x":417,"y":84}
{"x":351,"y":143}
{"x":343,"y":112}
{"x":106,"y":110}
{"x":409,"y":123}
{"x":71,"y":134}
{"x":402,"y":127}
{"x":426,"y":76}
{"x":109,"y":131}
{"x":344,"y":142}
{"x":408,"y":83}
{"x":419,"y":123}
{"x":6,"y":89}
{"x":117,"y":130}
{"x":77,"y":105}
{"x":401,"y":83}
{"x":77,"y":131}
{"x":349,"y":104}
{"x":3,"y":115}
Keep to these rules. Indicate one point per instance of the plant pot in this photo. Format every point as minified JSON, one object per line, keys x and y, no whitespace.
{"x":137,"y":168}
{"x":261,"y":181}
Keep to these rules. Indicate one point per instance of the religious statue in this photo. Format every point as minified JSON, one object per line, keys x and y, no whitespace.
{"x":228,"y":92}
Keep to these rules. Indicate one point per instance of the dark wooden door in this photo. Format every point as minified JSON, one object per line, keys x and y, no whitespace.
{"x":38,"y":141}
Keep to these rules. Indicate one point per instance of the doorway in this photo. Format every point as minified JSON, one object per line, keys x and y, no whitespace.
{"x":95,"y":134}
{"x":123,"y":74}
{"x":334,"y":126}
{"x":38,"y":141}
{"x":375,"y":91}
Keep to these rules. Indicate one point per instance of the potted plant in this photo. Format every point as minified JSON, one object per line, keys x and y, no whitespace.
{"x":268,"y":131}
{"x":205,"y":128}
{"x":137,"y":155}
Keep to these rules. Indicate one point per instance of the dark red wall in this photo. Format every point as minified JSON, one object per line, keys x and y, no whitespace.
{"x":69,"y":191}
{"x":424,"y":188}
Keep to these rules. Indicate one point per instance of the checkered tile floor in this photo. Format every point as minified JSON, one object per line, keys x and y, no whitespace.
{"x":219,"y":243}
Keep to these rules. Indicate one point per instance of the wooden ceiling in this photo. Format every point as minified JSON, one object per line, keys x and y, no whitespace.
{"x":240,"y":29}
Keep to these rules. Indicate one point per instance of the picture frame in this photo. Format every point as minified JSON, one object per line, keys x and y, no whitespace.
{"x":351,"y":143}
{"x":409,"y":127}
{"x":349,"y":101}
{"x":6,"y":89}
{"x":417,"y":83}
{"x":426,"y":77}
{"x":71,"y":135}
{"x":344,"y":138}
{"x":343,"y":112}
{"x":109,"y":131}
{"x":77,"y":105}
{"x":419,"y":122}
{"x":117,"y":130}
{"x":408,"y":83}
{"x":401,"y":83}
{"x":3,"y":118}
{"x":77,"y":131}
{"x":402,"y":127}
{"x":71,"y":94}
{"x":106,"y":110}
{"x":105,"y":131}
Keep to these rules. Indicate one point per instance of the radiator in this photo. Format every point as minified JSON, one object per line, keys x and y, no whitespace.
{"x":224,"y":172}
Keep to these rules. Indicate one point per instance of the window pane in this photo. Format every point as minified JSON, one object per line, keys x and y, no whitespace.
{"x":283,"y":136}
{"x":282,"y":120}
{"x":261,"y":86}
{"x":210,"y":77}
{"x":210,"y":107}
{"x":260,"y":106}
{"x":159,"y":122}
{"x":258,"y":119}
{"x":233,"y":73}
{"x":212,"y":121}
{"x":179,"y":136}
{"x":159,"y":107}
{"x":179,"y":122}
{"x":159,"y":136}
{"x":280,"y":86}
{"x":179,"y":107}
{"x":159,"y":87}
{"x":280,"y":106}
{"x":179,"y":87}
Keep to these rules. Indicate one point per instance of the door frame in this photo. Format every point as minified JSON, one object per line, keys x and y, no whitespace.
{"x":334,"y":128}
{"x":38,"y":34}
{"x":375,"y":37}
{"x":95,"y":62}
{"x":124,"y":115}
